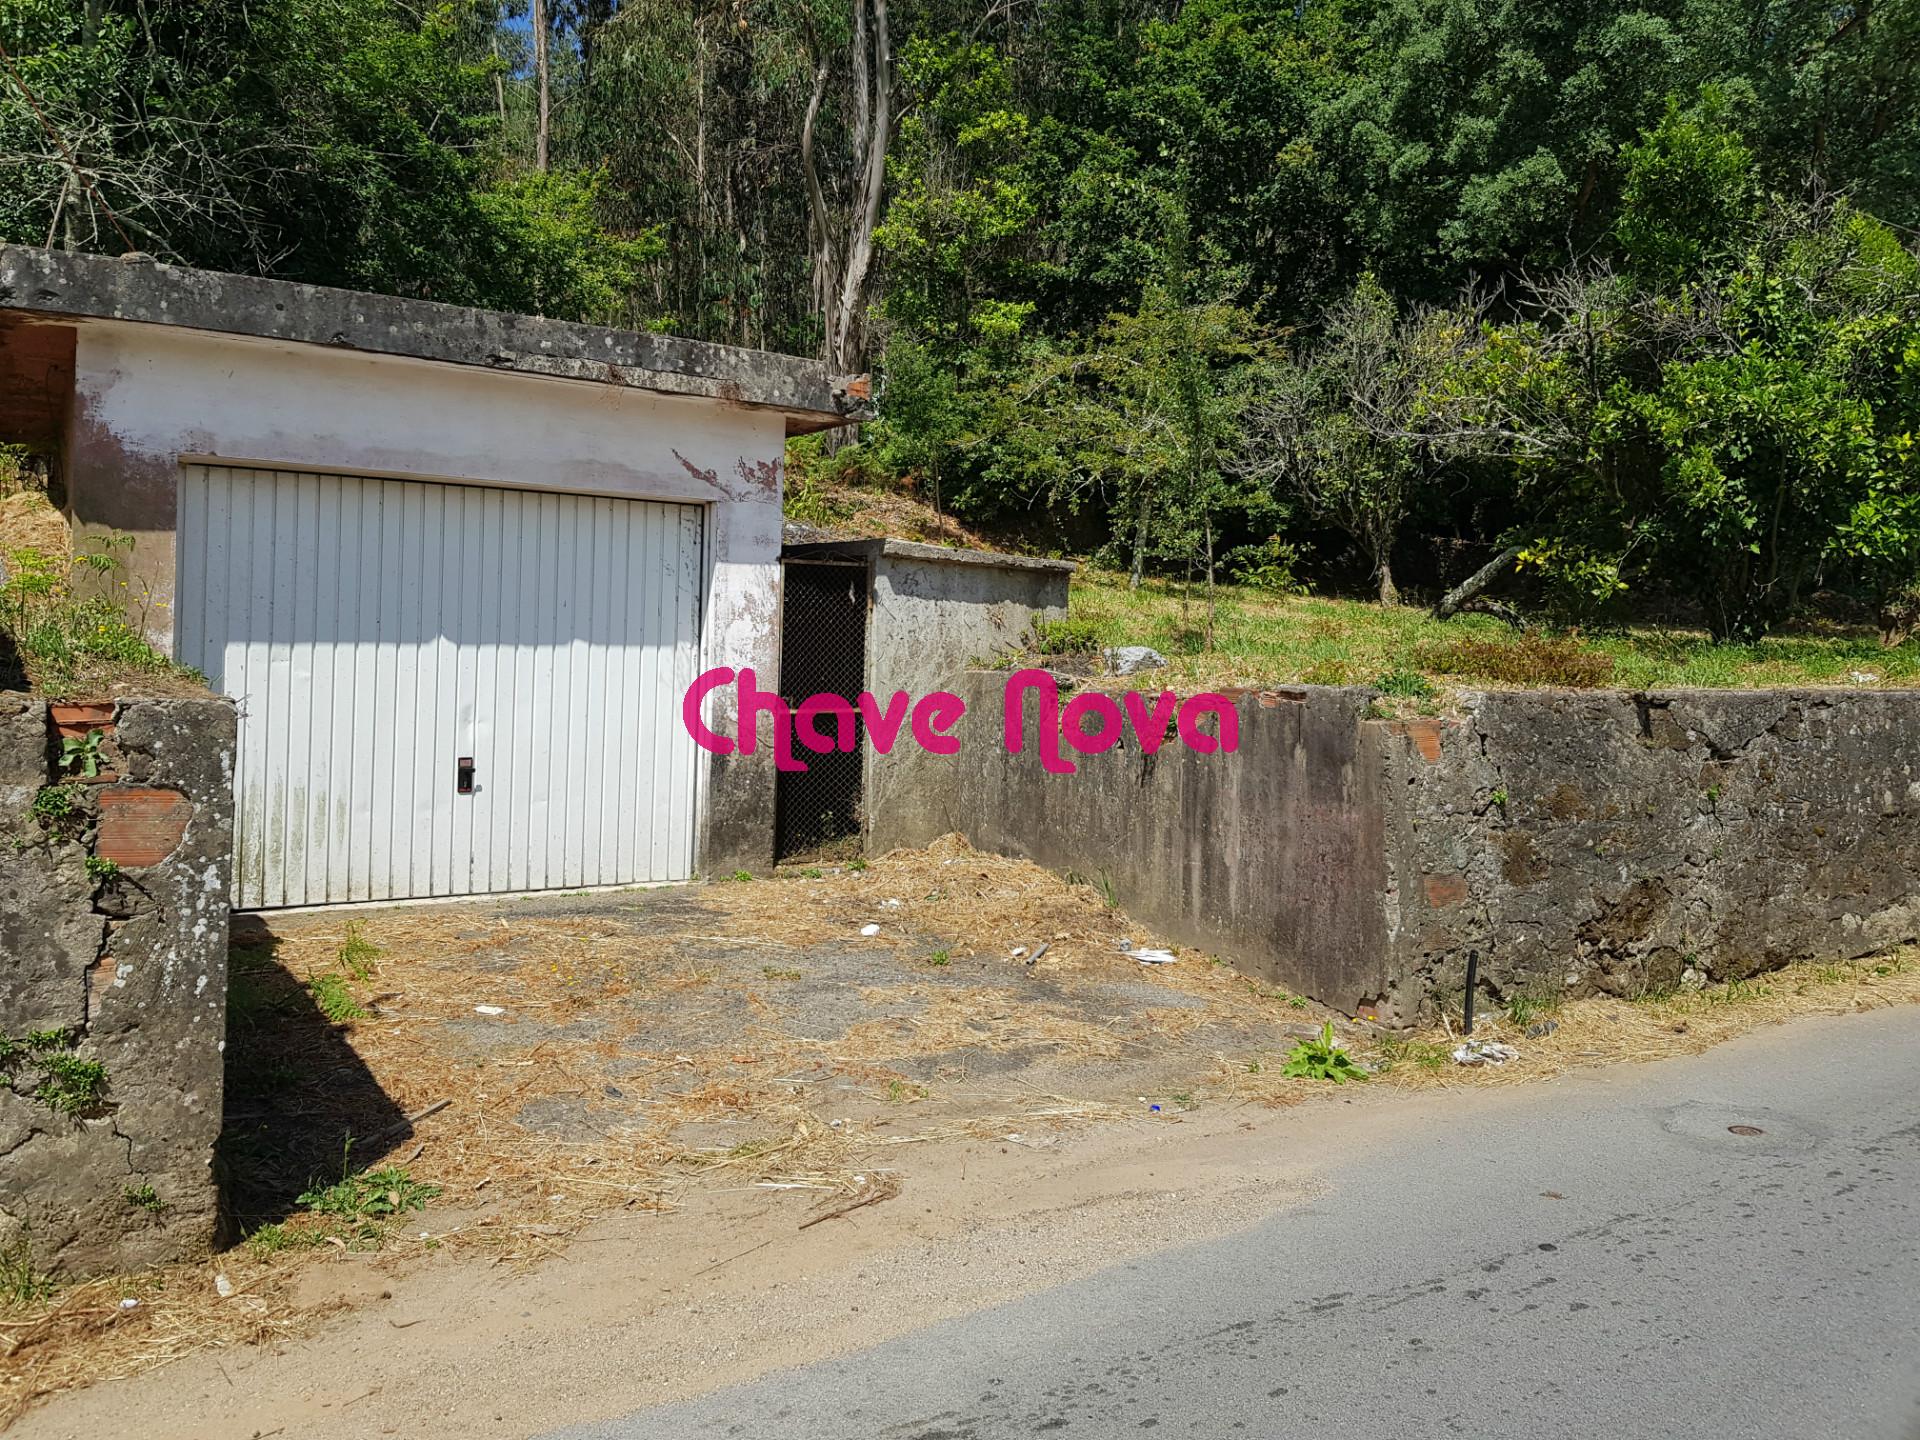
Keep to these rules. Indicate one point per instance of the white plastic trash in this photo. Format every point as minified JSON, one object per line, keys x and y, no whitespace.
{"x":489,"y":1010}
{"x":1147,"y":955}
{"x":1484,"y":1052}
{"x":869,"y":930}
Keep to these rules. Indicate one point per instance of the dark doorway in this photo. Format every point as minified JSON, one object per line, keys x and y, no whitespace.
{"x":823,"y":649}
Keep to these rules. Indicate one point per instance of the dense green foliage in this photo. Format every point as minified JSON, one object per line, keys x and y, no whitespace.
{"x":1361,"y":288}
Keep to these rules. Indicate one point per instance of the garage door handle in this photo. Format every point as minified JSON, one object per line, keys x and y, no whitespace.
{"x":463,"y":775}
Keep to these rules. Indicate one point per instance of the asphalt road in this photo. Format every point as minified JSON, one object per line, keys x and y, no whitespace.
{"x":1600,"y":1256}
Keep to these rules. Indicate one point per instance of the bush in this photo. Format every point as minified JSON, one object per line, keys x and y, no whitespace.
{"x":1529,"y":659}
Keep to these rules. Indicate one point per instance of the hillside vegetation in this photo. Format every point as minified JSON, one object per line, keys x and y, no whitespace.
{"x":1619,"y":301}
{"x":1264,"y":639}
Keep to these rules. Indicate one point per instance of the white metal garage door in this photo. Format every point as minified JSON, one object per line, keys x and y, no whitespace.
{"x":379,"y":634}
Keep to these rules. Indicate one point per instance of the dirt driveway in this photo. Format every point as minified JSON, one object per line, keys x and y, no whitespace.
{"x":604,"y":1050}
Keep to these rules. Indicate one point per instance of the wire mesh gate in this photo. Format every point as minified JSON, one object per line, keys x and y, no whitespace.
{"x":823,"y":649}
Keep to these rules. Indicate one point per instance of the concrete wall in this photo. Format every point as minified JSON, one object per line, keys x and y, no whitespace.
{"x":1272,"y":856}
{"x":936,"y":612}
{"x":1580,"y":843}
{"x":127,"y":970}
{"x":933,"y":611}
{"x":149,"y":397}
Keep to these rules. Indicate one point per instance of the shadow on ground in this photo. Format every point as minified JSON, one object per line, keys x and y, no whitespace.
{"x":301,"y":1105}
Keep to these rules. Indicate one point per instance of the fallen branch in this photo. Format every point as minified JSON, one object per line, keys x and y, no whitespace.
{"x":400,"y":1127}
{"x":883,"y":1189}
{"x":1468,"y":588}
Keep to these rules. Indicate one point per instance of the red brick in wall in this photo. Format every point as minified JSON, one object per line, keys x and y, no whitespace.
{"x":141,"y":826}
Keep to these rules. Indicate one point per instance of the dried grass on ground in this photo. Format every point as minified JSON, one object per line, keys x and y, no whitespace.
{"x":29,"y":522}
{"x":1555,"y":1037}
{"x":660,"y":1042}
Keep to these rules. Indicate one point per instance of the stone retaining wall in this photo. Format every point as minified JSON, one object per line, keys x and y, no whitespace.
{"x":1577,"y":842}
{"x":113,"y":984}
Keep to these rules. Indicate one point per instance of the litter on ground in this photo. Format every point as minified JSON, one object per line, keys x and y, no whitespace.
{"x":1484,"y":1052}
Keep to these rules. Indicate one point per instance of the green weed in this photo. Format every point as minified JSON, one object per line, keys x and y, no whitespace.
{"x":358,"y":953}
{"x":1393,"y":1050}
{"x":21,"y":1284}
{"x":333,"y":999}
{"x":81,"y":752}
{"x":143,"y":1197}
{"x":1523,"y":1007}
{"x":72,"y":1086}
{"x":1065,"y":637}
{"x":1407,"y":684}
{"x":370,"y":1195}
{"x":1322,"y":1059}
{"x":273,"y":1239}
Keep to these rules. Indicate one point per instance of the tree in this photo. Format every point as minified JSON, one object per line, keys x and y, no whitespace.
{"x":843,"y":236}
{"x":1354,"y":423}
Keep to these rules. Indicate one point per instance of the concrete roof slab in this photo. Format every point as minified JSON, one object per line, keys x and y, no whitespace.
{"x":58,"y":284}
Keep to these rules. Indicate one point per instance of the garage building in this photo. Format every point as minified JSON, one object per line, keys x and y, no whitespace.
{"x":457,"y":567}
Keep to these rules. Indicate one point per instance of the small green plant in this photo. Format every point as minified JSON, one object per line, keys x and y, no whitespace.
{"x":67,"y":1084}
{"x":1407,"y":684}
{"x":272,"y":1239}
{"x":1322,"y":1058}
{"x":1109,"y":896}
{"x":1065,"y":637}
{"x":1499,"y":797}
{"x":72,"y":1086}
{"x":21,"y":1284}
{"x":905,"y":1092}
{"x":740,"y":876}
{"x":358,"y":953}
{"x":334,"y":1000}
{"x":1253,"y":1067}
{"x":143,"y":1197}
{"x":368,"y":1194}
{"x":101,"y":868}
{"x":856,"y":864}
{"x":773,"y":973}
{"x":83,"y":752}
{"x":1298,"y":1002}
{"x":939,"y":957}
{"x":1735,"y":992}
{"x":1526,"y":1006}
{"x":55,"y":802}
{"x":812,"y":872}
